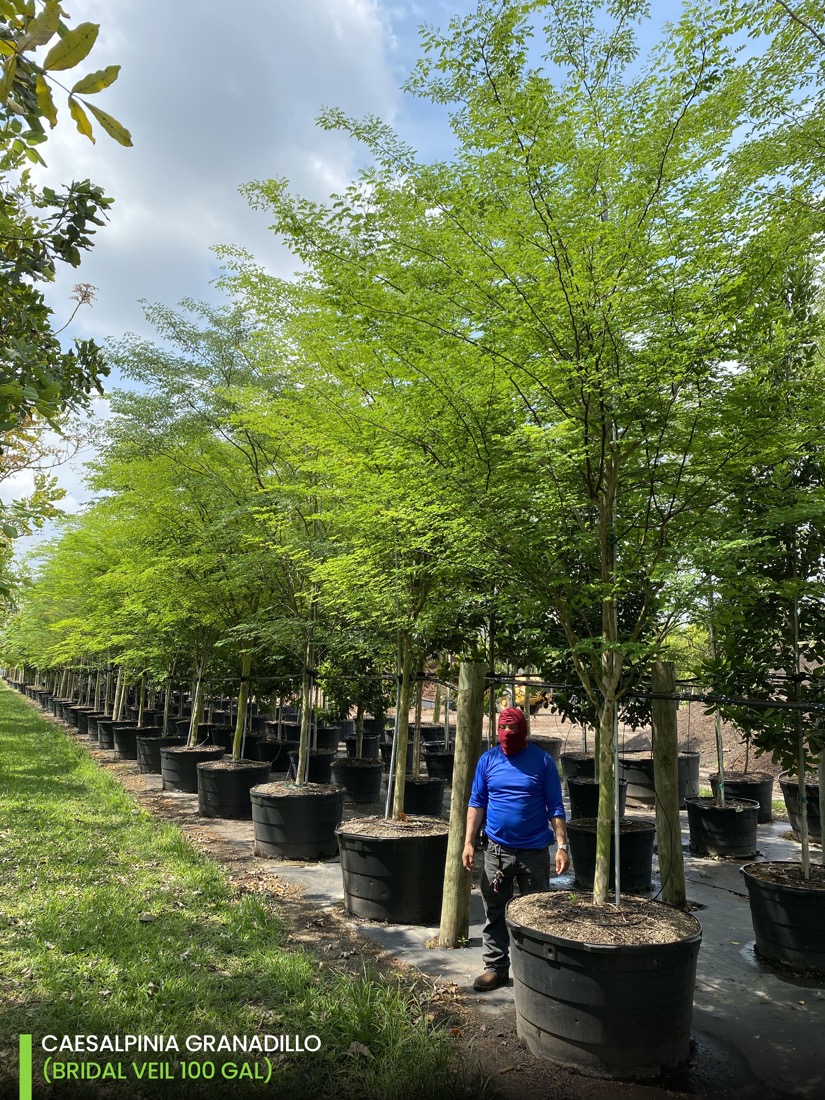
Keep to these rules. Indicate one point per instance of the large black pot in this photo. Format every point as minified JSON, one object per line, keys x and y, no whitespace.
{"x":431,"y":731}
{"x":370,"y":749}
{"x":292,"y":822}
{"x":615,"y":1010}
{"x":105,"y":738}
{"x":440,"y":766}
{"x":179,"y":766}
{"x":584,"y":796}
{"x":424,"y":796}
{"x":91,"y":723}
{"x":789,"y":786}
{"x":290,"y":731}
{"x":728,"y":830}
{"x":361,"y":779}
{"x":327,"y":737}
{"x":319,"y":768}
{"x":386,"y":754}
{"x":551,"y":745}
{"x":83,"y":720}
{"x":125,"y":739}
{"x":224,"y":786}
{"x":575,"y":764}
{"x":788,"y":920}
{"x":637,"y":769}
{"x":148,"y":750}
{"x":224,"y":737}
{"x":635,"y":854}
{"x":398,"y":876}
{"x":276,"y":752}
{"x":755,"y":785}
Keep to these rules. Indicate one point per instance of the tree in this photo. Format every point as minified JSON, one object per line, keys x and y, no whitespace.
{"x":565,"y":294}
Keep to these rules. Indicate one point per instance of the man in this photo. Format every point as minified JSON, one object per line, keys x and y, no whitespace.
{"x":516,"y":791}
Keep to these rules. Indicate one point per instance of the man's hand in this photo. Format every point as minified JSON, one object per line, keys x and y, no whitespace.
{"x":562,"y":861}
{"x":468,"y":855}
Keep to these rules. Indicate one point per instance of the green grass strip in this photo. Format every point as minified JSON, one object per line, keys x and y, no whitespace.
{"x":111,"y":924}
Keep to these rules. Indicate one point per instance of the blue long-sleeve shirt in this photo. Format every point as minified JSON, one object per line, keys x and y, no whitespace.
{"x":520,"y":794}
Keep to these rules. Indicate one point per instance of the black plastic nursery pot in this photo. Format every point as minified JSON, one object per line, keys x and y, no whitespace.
{"x":636,"y":839}
{"x":616,"y":1010}
{"x":224,"y":786}
{"x":105,"y":737}
{"x":370,"y":746}
{"x":430,"y":731}
{"x":291,"y":822}
{"x":788,"y":915}
{"x":727,"y":831}
{"x":125,"y":739}
{"x":276,"y":752}
{"x":289,"y":731}
{"x":755,"y":785}
{"x":319,"y":767}
{"x":386,"y":754}
{"x":424,"y":796}
{"x":327,"y":737}
{"x":91,"y":723}
{"x":149,"y":746}
{"x":584,"y":796}
{"x":637,"y":769}
{"x":789,"y":785}
{"x":440,"y":765}
{"x":83,"y":720}
{"x":394,"y":870}
{"x":574,"y":764}
{"x":551,"y":745}
{"x":361,"y":779}
{"x":179,"y":766}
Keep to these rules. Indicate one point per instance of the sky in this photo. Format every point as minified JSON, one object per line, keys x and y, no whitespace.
{"x":217,"y":95}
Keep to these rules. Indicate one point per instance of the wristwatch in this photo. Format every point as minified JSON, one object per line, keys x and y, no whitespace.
{"x":564,"y":847}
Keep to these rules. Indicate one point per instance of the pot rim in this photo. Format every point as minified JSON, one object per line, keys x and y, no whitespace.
{"x":611,"y":948}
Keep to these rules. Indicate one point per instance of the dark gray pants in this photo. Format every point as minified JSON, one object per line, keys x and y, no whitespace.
{"x":502,"y":869}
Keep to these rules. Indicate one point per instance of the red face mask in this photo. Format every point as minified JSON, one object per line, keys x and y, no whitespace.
{"x":513,"y":737}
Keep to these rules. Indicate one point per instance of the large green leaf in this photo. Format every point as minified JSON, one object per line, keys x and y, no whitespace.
{"x":111,"y":125}
{"x":97,"y":81}
{"x":72,"y":48}
{"x":81,"y":118}
{"x":45,"y":102}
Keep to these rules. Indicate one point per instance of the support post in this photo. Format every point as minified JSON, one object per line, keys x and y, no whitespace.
{"x":455,"y":909}
{"x":666,"y":782}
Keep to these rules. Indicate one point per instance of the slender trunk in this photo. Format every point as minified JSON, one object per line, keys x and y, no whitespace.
{"x":720,"y":755}
{"x":197,"y":705}
{"x":359,"y":730}
{"x":119,"y":691}
{"x":455,"y":911}
{"x":167,"y":700}
{"x":611,"y":670}
{"x":141,"y":698}
{"x":306,"y":708}
{"x":243,"y":699}
{"x":666,"y":773}
{"x":437,"y":705}
{"x":403,"y":726}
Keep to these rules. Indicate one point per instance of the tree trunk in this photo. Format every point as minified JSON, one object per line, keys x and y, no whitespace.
{"x":455,"y":911}
{"x":306,"y":716}
{"x":403,"y":734}
{"x":243,"y":699}
{"x":141,"y":698}
{"x":119,"y":692}
{"x":666,"y":776}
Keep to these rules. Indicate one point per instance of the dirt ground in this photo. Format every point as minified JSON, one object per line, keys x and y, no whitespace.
{"x":510,"y":1071}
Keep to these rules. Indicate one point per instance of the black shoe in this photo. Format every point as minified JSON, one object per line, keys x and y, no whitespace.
{"x":491,"y":979}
